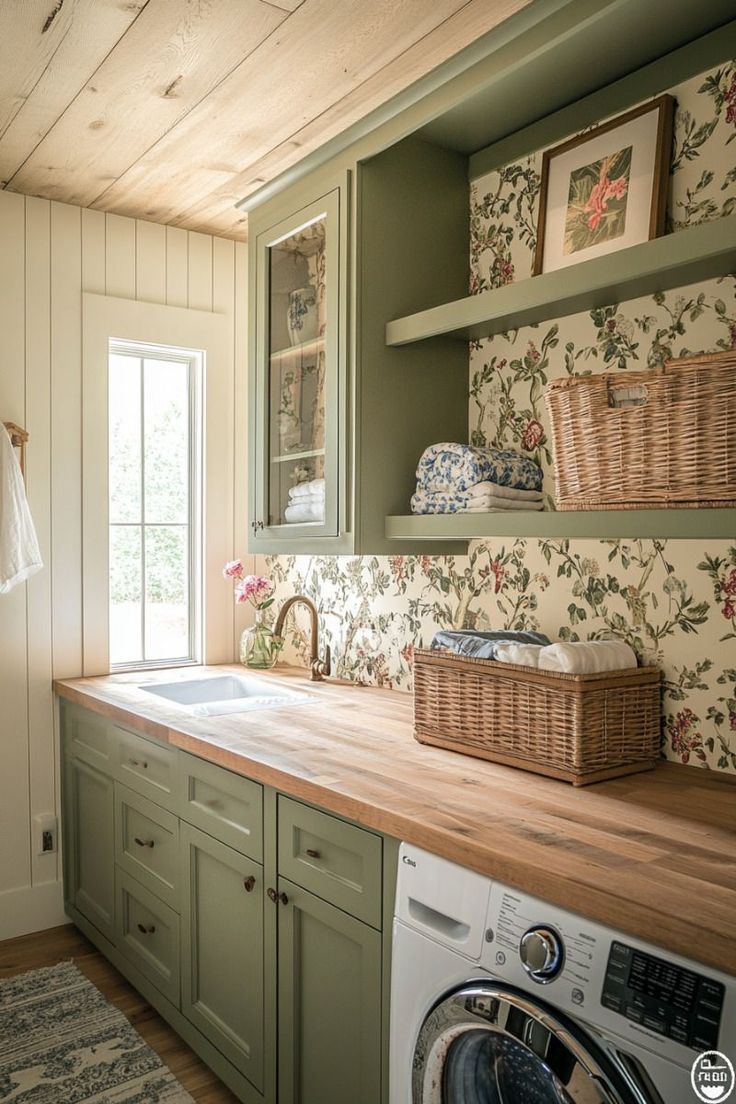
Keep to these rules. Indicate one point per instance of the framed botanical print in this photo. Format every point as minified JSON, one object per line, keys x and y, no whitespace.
{"x":605,"y":189}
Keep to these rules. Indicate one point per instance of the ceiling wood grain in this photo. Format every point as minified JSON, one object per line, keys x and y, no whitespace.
{"x":171,"y":110}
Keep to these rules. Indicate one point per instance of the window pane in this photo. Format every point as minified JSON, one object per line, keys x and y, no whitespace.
{"x":126,"y":593}
{"x":167,"y":592}
{"x":125,"y":438}
{"x":166,"y":422}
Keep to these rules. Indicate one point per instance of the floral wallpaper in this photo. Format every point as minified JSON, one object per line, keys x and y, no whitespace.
{"x":673,"y":601}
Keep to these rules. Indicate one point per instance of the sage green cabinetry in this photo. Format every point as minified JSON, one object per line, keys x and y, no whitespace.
{"x":259,"y":926}
{"x":223,"y":960}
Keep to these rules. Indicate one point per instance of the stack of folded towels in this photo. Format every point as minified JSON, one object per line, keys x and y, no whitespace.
{"x":531,"y":649}
{"x":463,"y":479}
{"x":306,"y":502}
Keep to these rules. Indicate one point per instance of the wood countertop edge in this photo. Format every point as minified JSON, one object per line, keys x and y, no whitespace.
{"x":603,"y":905}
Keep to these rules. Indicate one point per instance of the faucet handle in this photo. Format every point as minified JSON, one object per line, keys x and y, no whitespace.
{"x":322,"y":667}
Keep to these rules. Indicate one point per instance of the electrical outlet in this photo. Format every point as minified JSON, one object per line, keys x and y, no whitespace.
{"x":46,"y":833}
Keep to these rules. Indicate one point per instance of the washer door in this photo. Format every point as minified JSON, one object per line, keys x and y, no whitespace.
{"x":491,"y":1044}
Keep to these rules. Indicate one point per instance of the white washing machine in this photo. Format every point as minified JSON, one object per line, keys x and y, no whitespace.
{"x":500,"y":998}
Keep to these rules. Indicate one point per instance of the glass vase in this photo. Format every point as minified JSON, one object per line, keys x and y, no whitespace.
{"x":259,"y":648}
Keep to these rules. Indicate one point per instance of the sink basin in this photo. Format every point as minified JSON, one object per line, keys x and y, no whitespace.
{"x":213,"y":697}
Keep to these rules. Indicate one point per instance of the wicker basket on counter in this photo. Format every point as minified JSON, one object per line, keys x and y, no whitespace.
{"x":579,"y":728}
{"x":632,"y":440}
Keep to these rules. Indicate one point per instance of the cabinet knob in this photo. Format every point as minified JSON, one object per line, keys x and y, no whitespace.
{"x":138,"y":763}
{"x":274,"y":896}
{"x":313,"y":854}
{"x":249,"y":883}
{"x":144,"y":843}
{"x":147,"y":930}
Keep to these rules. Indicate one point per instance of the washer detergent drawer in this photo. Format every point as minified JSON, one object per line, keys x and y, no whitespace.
{"x":442,"y":900}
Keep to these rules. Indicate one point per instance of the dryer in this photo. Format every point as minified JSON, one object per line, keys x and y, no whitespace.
{"x":500,"y":998}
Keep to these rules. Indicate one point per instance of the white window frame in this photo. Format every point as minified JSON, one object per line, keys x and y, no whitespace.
{"x":195,"y":358}
{"x":107,"y":319}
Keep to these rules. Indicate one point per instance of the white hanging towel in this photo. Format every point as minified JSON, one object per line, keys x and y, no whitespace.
{"x":20,"y":555}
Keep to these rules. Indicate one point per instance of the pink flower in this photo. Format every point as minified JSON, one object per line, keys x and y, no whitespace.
{"x":233,"y":569}
{"x":498,"y":573}
{"x":254,"y":588}
{"x":730,"y":101}
{"x":728,"y":586}
{"x":729,"y":610}
{"x":604,"y":190}
{"x":532,"y":435}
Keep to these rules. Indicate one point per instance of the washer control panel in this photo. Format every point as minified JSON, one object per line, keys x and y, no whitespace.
{"x":663,"y":997}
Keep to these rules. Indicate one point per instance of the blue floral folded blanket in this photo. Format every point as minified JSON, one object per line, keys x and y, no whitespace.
{"x":482,"y":645}
{"x":452,"y":467}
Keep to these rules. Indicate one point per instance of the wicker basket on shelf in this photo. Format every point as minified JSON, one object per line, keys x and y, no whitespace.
{"x":579,"y":728}
{"x":632,"y":440}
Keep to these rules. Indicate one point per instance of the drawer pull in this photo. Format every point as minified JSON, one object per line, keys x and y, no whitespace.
{"x":138,"y":763}
{"x":274,"y":896}
{"x":249,"y":883}
{"x":144,"y":843}
{"x":313,"y":854}
{"x":146,"y":930}
{"x":214,"y":804}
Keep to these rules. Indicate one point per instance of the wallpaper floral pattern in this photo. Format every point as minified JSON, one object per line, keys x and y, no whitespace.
{"x":673,"y":601}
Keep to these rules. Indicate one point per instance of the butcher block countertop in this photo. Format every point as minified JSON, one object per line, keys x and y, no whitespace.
{"x":651,"y":854}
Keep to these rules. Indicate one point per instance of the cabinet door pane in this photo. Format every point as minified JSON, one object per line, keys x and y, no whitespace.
{"x":222,"y":949}
{"x":90,"y":843}
{"x":329,"y":1004}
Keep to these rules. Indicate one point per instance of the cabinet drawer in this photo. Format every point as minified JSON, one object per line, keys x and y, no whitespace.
{"x":87,"y":736}
{"x":337,"y":861}
{"x":228,"y":807}
{"x":147,"y":844}
{"x":147,"y":767}
{"x":147,"y":933}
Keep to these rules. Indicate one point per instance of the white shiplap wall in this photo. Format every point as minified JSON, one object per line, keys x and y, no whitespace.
{"x":49,"y":254}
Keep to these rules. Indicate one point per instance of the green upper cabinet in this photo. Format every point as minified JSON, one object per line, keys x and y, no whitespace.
{"x":298,"y":384}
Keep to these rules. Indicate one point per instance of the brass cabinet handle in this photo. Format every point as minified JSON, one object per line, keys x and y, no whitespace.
{"x":249,"y":883}
{"x":147,"y":930}
{"x":313,"y":854}
{"x":144,"y":843}
{"x":274,"y":896}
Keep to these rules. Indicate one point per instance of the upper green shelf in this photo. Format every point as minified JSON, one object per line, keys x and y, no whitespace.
{"x":593,"y":524}
{"x":697,"y":253}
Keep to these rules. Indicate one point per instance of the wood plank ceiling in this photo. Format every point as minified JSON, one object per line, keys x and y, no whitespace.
{"x":172,"y":110}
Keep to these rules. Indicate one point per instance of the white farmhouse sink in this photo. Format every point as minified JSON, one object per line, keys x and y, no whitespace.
{"x":213,"y":697}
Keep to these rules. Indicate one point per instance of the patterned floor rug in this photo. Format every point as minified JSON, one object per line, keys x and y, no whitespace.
{"x":62,"y":1042}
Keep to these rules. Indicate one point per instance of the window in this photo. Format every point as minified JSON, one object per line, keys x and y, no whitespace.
{"x":154,"y":504}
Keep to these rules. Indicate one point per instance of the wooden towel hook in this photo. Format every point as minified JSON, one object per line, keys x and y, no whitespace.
{"x":19,"y":440}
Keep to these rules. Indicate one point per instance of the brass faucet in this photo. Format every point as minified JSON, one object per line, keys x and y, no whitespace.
{"x":318,"y":668}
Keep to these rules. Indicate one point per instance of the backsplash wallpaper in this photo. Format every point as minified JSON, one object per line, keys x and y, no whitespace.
{"x":674,"y":601}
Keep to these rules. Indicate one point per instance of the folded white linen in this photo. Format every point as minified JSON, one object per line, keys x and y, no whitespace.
{"x":20,"y":556}
{"x":526,"y":655}
{"x":423,"y":502}
{"x":587,"y":657}
{"x":307,"y":500}
{"x":481,"y":490}
{"x":307,"y":512}
{"x":311,"y":487}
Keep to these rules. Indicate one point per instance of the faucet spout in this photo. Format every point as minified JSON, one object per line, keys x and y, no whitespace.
{"x":319,"y":666}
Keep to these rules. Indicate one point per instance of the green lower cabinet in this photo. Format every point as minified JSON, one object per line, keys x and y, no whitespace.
{"x":89,"y":844}
{"x":222,"y":974}
{"x":329,"y":1003}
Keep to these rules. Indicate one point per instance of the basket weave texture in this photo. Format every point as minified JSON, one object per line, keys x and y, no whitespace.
{"x":673,"y":442}
{"x":579,"y":728}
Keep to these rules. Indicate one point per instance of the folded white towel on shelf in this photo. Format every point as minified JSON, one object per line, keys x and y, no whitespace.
{"x":526,"y":655}
{"x":20,"y":556}
{"x":307,"y":511}
{"x":482,"y":490}
{"x":587,"y":657}
{"x":314,"y":488}
{"x":440,"y":502}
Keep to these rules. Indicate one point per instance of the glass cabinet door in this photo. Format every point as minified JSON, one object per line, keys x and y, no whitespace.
{"x":297,"y":493}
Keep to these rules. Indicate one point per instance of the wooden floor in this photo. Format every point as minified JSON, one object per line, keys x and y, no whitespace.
{"x":29,"y":952}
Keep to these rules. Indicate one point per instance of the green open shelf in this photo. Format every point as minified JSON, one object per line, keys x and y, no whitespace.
{"x":594,"y":524}
{"x":698,"y":253}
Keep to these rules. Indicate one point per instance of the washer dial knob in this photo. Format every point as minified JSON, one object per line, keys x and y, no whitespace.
{"x":542,"y":953}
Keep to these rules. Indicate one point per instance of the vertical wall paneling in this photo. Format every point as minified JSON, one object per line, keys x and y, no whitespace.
{"x":38,"y":422}
{"x":14,"y":798}
{"x":120,"y":256}
{"x":177,"y":267}
{"x":200,"y":272}
{"x":50,"y":253}
{"x":66,"y":437}
{"x":150,"y":269}
{"x":240,"y":420}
